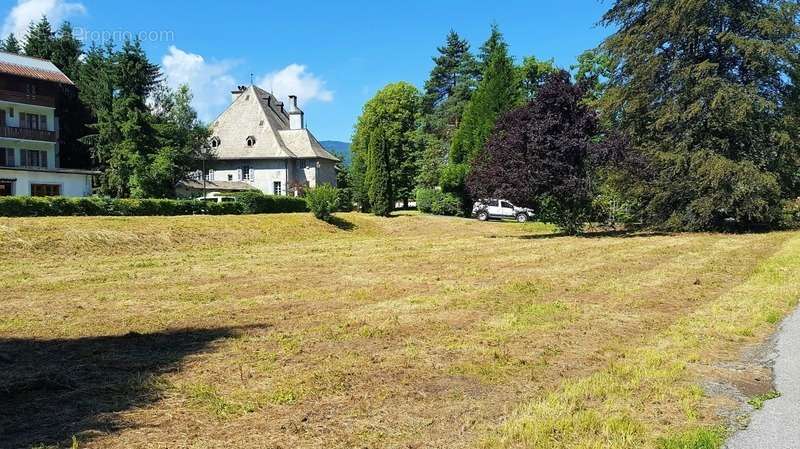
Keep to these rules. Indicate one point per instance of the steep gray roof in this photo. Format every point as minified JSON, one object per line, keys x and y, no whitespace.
{"x":258,"y":114}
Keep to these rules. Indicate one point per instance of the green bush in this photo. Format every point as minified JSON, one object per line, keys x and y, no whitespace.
{"x":436,"y":202}
{"x":22,"y":206}
{"x":791,"y":214}
{"x":255,"y":202}
{"x":323,"y":201}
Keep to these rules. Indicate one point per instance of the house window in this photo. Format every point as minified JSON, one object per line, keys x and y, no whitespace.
{"x":6,"y":188}
{"x":210,"y":175}
{"x":6,"y":157}
{"x":251,"y":142}
{"x":2,"y":117}
{"x":230,"y":177}
{"x":32,"y":121}
{"x":247,"y":175}
{"x":33,"y":158}
{"x":277,"y":188}
{"x":215,"y":142}
{"x":45,"y":190}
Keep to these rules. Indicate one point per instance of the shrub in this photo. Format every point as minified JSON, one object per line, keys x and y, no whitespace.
{"x":791,"y":214}
{"x":436,"y":202}
{"x":323,"y":201}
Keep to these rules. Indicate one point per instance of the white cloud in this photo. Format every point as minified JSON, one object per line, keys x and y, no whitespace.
{"x":27,"y":11}
{"x":210,"y":82}
{"x":295,"y":80}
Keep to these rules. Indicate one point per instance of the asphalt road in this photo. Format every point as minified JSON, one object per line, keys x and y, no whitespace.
{"x":777,"y":425}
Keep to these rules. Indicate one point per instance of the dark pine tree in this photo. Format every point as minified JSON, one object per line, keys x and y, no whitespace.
{"x":40,"y":40}
{"x":75,"y":115}
{"x":11,"y":44}
{"x":447,"y":92}
{"x":497,"y":93}
{"x":66,"y":52}
{"x":701,"y":88}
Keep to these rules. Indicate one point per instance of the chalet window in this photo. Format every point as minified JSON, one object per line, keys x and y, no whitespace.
{"x":215,"y":142}
{"x":6,"y":187}
{"x":45,"y":190}
{"x":251,"y":142}
{"x":277,"y":188}
{"x":33,"y":158}
{"x":247,"y":174}
{"x":230,"y":177}
{"x":210,"y":174}
{"x":6,"y":157}
{"x":32,"y":121}
{"x":2,"y":117}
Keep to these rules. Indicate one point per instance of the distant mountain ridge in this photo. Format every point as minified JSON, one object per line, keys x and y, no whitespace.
{"x":338,"y":148}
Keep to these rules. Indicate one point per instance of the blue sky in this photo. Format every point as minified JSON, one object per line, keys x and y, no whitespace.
{"x":333,"y":54}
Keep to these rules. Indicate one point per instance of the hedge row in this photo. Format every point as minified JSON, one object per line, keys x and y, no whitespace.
{"x":21,"y":206}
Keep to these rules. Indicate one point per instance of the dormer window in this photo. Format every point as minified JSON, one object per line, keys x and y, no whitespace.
{"x":251,"y":142}
{"x":215,"y":142}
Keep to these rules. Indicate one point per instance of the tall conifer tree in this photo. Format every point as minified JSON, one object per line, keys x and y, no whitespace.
{"x":447,"y":92}
{"x":40,"y":40}
{"x":11,"y":44}
{"x":379,"y":177}
{"x":701,"y":89}
{"x":497,"y":92}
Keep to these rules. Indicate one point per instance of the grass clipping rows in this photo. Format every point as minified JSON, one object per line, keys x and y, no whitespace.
{"x":626,"y":405}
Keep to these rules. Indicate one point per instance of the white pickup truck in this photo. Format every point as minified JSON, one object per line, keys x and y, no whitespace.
{"x":484,"y":210}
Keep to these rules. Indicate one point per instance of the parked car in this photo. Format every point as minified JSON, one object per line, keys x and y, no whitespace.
{"x":216,"y":197}
{"x":485,"y":210}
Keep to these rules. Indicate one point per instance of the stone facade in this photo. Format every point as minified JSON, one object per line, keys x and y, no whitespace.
{"x":258,"y":142}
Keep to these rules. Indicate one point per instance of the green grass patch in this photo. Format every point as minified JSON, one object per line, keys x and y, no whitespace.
{"x":694,"y":439}
{"x":758,"y":402}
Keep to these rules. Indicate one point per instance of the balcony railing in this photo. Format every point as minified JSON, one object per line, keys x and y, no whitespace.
{"x":28,"y":134}
{"x":21,"y":97}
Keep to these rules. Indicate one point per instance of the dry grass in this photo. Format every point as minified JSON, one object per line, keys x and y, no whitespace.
{"x":282,"y":331}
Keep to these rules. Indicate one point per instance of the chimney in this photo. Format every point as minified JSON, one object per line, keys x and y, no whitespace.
{"x":296,"y":120}
{"x":236,"y":93}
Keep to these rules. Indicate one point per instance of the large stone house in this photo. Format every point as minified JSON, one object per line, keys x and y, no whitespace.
{"x":259,"y":144}
{"x":31,"y":91}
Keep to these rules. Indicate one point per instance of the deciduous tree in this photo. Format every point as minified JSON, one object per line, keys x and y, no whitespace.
{"x":543,"y":154}
{"x":395,"y":111}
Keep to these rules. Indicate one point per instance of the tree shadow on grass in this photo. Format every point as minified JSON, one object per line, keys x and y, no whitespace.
{"x":596,"y":235}
{"x":51,"y":390}
{"x":342,"y":224}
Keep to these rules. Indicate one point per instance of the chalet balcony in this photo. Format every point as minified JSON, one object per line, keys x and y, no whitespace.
{"x":21,"y":97}
{"x":11,"y":132}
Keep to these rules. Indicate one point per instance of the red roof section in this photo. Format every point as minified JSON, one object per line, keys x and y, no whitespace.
{"x":35,"y":73}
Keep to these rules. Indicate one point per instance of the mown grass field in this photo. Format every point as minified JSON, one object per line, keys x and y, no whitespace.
{"x":408,"y":332}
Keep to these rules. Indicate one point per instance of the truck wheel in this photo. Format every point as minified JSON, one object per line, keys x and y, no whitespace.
{"x":522,"y":218}
{"x":483,"y":216}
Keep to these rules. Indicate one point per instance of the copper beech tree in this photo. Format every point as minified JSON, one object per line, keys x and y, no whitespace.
{"x":543,"y":155}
